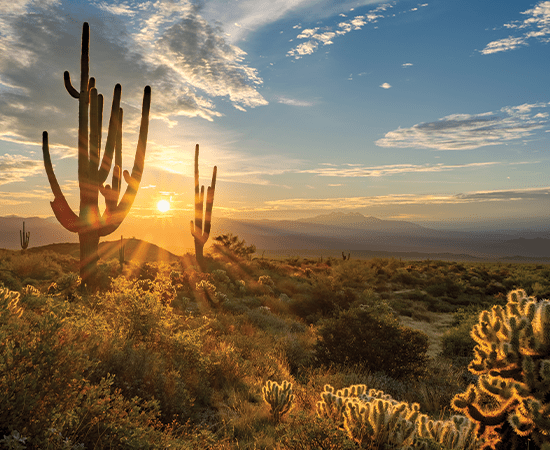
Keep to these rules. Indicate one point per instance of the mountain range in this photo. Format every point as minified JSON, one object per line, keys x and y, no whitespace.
{"x":329,"y":233}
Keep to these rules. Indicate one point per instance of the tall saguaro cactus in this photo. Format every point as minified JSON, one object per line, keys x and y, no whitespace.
{"x":90,"y":224}
{"x":24,"y":237}
{"x":201,"y":231}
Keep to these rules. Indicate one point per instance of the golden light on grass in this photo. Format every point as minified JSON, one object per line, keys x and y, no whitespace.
{"x":163,"y":206}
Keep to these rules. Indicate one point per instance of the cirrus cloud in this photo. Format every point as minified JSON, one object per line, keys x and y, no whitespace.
{"x":536,"y":26}
{"x":469,"y":131}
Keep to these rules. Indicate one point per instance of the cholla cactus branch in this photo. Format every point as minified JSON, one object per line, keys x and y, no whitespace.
{"x":279,"y":397}
{"x":512,"y":358}
{"x":93,"y":171}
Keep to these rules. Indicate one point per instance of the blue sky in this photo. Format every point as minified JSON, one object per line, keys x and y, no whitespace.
{"x":434,"y":112}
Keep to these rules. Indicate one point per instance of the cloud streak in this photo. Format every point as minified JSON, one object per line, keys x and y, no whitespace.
{"x":317,"y":37}
{"x":470,"y":131}
{"x":16,"y":168}
{"x":409,"y":199}
{"x":535,"y":27}
{"x":355,"y":170}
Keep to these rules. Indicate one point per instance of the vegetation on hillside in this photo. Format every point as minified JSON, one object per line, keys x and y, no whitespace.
{"x":239,"y":355}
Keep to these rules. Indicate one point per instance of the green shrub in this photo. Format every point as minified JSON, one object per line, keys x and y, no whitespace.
{"x":379,"y":343}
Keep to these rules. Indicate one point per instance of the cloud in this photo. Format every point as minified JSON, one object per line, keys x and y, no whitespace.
{"x":16,"y":168}
{"x":356,"y":170}
{"x":317,"y":36}
{"x":167,"y":44}
{"x":293,"y":102}
{"x":409,"y":199}
{"x":385,"y":85}
{"x":469,"y":131}
{"x":407,"y":65}
{"x":536,"y":26}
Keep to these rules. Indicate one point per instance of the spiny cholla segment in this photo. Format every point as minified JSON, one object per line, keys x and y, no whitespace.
{"x":512,"y":359}
{"x":374,"y":419}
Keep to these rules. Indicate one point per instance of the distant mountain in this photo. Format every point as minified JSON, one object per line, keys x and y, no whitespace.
{"x":337,"y":232}
{"x":134,"y":250}
{"x":357,"y":220}
{"x":43,"y":232}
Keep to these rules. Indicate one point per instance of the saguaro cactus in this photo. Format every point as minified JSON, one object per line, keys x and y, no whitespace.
{"x":511,"y":401}
{"x":200,"y":230}
{"x":90,"y":224}
{"x":121,"y":254}
{"x":24,"y":237}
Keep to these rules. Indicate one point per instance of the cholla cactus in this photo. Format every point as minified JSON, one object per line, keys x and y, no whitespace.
{"x":333,"y":404}
{"x":374,"y":419}
{"x":457,"y":433}
{"x":266,"y":280}
{"x":279,"y":397}
{"x":381,"y":422}
{"x":9,"y":301}
{"x":510,"y":401}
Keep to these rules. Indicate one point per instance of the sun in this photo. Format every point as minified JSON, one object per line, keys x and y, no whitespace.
{"x":163,"y":205}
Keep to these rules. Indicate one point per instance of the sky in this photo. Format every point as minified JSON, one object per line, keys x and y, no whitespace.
{"x":433,"y":112}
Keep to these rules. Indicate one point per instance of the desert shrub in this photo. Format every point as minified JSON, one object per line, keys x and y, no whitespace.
{"x":456,"y":341}
{"x":134,"y":312}
{"x":228,"y":243}
{"x":379,"y":343}
{"x":302,"y":432}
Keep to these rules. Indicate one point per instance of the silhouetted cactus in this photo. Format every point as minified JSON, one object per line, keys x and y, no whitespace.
{"x":279,"y":397}
{"x":511,"y":400}
{"x":200,"y":230}
{"x":92,"y":173}
{"x":121,"y":254}
{"x":24,"y":237}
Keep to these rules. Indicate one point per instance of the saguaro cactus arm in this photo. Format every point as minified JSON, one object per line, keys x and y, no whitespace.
{"x":63,"y":212}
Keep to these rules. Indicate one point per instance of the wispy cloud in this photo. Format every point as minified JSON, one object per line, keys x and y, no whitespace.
{"x":16,"y":168}
{"x":294,"y":101}
{"x":469,"y":131}
{"x":409,"y":199}
{"x":168,"y":44}
{"x":317,"y":36}
{"x":356,"y":170}
{"x":322,"y":36}
{"x":535,"y":27}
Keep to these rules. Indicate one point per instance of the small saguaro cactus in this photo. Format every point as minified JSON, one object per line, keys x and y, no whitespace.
{"x":279,"y":397}
{"x":121,"y":254}
{"x":24,"y":237}
{"x":90,"y":224}
{"x":511,"y":400}
{"x":199,"y":229}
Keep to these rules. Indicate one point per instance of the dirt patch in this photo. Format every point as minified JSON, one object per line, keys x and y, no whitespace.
{"x":438,"y":324}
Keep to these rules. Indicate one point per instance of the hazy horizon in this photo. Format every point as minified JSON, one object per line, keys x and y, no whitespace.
{"x":403,"y":110}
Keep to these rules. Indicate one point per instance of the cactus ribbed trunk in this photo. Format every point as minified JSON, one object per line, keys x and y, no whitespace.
{"x":93,"y":171}
{"x":200,"y":230}
{"x":89,"y":243}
